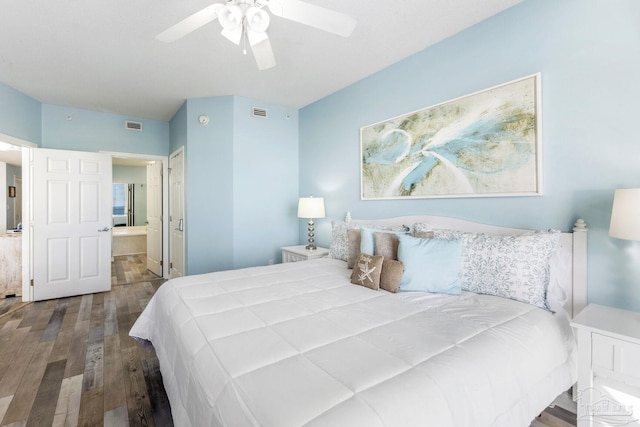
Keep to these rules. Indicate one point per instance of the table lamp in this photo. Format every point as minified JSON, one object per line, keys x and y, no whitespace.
{"x":625,"y":215}
{"x":311,"y":207}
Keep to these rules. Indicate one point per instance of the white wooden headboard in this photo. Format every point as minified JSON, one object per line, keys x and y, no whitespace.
{"x":572,"y":244}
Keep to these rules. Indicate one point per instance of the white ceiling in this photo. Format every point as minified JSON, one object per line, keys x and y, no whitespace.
{"x":102,"y":55}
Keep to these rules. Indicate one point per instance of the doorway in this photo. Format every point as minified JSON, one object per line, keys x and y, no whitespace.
{"x":140,"y":202}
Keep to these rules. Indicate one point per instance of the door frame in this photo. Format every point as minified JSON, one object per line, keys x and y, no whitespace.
{"x":26,"y":216}
{"x":165,"y":200}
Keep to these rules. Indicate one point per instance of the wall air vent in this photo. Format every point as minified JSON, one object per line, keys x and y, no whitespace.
{"x":259,"y":112}
{"x":129,"y":125}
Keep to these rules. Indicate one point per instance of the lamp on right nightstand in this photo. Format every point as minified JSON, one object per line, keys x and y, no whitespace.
{"x":625,"y":214}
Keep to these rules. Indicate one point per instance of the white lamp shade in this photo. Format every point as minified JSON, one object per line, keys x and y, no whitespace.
{"x":311,"y":207}
{"x":625,"y":215}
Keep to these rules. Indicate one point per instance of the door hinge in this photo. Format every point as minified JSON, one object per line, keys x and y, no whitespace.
{"x":170,"y":265}
{"x":161,"y":262}
{"x":31,"y":284}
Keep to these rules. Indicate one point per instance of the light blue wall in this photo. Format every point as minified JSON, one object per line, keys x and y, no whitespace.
{"x":265,"y":182}
{"x":19,"y":115}
{"x":95,"y":131}
{"x":209,"y":185}
{"x":588,"y":52}
{"x":178,"y":129}
{"x":241,"y":180}
{"x":129,"y":174}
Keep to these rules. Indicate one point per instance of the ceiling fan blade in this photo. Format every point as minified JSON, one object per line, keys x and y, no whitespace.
{"x":263,"y":53}
{"x":190,"y":24}
{"x":314,"y":16}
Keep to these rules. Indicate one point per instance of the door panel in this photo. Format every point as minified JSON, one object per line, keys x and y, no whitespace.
{"x":154,"y":218}
{"x":176,"y":213}
{"x":71,"y":222}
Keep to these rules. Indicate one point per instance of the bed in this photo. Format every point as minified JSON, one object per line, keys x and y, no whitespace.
{"x":300,"y":344}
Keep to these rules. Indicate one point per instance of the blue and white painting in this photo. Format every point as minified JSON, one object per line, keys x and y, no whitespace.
{"x":484,"y":144}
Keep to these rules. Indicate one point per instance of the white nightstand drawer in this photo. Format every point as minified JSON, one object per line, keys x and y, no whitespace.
{"x":615,"y":358}
{"x":300,"y":253}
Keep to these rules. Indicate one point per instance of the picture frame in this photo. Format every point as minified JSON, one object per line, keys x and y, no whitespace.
{"x":485,"y":144}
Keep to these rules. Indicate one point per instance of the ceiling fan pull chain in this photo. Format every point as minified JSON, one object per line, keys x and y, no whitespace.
{"x":244,"y":35}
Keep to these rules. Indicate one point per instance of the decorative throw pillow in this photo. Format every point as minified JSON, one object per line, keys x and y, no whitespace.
{"x":353,"y":238}
{"x":391,"y":275}
{"x":510,"y":266}
{"x":421,"y":228}
{"x":367,"y":270}
{"x":386,"y":244}
{"x":430,"y":265}
{"x":367,"y":242}
{"x":339,"y":248}
{"x":423,"y":234}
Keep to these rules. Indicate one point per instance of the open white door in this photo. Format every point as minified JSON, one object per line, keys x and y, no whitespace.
{"x":71,"y":223}
{"x":154,"y":218}
{"x":176,"y":213}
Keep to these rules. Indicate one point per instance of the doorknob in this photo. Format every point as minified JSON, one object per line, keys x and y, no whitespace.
{"x":104,"y":229}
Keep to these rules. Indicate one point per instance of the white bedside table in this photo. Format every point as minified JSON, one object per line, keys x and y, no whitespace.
{"x":299,"y":253}
{"x":608,"y":390}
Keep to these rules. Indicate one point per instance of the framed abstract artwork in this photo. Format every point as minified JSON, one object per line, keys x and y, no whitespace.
{"x":486,"y":144}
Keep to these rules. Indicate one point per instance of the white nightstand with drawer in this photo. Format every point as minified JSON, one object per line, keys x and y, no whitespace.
{"x":608,"y":389}
{"x":299,"y":253}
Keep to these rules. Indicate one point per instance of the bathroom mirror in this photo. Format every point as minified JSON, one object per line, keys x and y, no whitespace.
{"x":129,"y":204}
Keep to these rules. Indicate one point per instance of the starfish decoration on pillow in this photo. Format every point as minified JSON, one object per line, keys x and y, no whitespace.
{"x":365,"y":271}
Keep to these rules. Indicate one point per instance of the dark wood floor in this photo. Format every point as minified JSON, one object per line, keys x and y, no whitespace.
{"x":130,"y":269}
{"x":71,"y":362}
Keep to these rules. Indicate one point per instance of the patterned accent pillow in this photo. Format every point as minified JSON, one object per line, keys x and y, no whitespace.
{"x":367,"y":270}
{"x":421,"y":227}
{"x":339,"y":248}
{"x":510,"y":266}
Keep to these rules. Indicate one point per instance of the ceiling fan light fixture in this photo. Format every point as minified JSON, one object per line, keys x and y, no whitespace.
{"x":234,"y":35}
{"x":248,"y":21}
{"x":230,"y":16}
{"x":256,"y":37}
{"x":257,"y":19}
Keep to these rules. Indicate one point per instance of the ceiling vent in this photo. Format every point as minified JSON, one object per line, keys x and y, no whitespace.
{"x":259,"y":112}
{"x":130,"y":125}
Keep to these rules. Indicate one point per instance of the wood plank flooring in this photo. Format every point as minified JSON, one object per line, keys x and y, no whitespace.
{"x":130,"y":269}
{"x":71,"y":362}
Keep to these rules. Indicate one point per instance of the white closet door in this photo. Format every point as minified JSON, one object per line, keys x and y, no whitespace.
{"x":176,"y":213}
{"x":154,"y":218}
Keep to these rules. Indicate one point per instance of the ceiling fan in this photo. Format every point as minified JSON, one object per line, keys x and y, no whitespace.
{"x":247,"y":21}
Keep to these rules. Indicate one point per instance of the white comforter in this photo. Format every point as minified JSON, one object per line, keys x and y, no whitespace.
{"x":297,"y":344}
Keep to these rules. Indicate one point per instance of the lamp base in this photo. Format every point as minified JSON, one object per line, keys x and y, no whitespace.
{"x":311,"y":246}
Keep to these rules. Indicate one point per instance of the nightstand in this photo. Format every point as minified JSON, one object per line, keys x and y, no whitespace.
{"x":299,"y":253}
{"x":608,"y":389}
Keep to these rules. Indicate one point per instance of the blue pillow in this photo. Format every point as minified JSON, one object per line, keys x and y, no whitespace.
{"x":367,"y":242}
{"x":430,"y":265}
